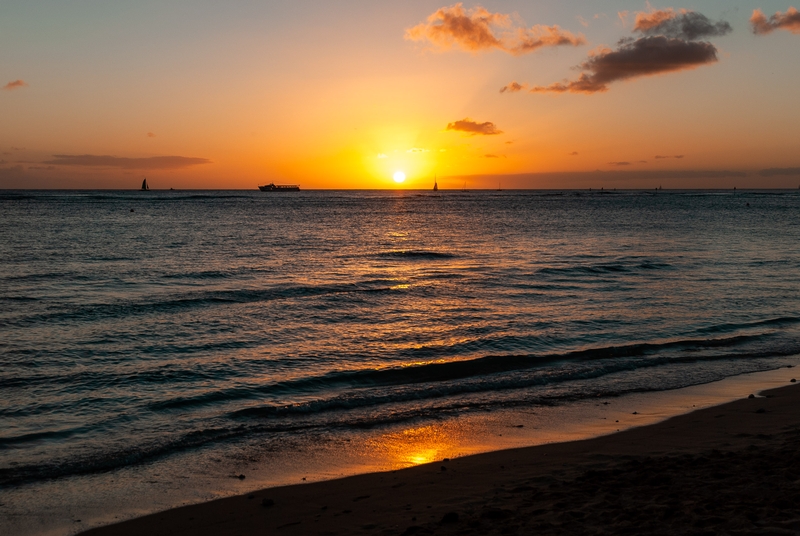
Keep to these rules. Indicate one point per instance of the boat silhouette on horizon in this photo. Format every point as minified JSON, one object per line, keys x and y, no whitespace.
{"x":272,"y":187}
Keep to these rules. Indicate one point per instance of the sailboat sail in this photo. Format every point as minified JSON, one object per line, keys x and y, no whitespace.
{"x":144,"y":184}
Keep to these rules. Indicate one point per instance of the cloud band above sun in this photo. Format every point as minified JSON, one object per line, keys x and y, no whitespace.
{"x":478,"y":29}
{"x":154,"y":162}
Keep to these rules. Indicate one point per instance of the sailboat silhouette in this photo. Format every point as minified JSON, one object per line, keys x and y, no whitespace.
{"x":144,"y":184}
{"x":435,"y":184}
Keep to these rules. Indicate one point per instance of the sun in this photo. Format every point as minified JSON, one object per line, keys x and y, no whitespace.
{"x":399,"y":177}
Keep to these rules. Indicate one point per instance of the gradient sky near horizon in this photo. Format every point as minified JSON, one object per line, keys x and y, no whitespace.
{"x":202,"y":94}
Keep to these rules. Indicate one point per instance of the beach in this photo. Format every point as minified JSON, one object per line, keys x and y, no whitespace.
{"x":729,"y":469}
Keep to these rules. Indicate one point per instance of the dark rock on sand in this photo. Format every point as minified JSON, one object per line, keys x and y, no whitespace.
{"x":450,"y":517}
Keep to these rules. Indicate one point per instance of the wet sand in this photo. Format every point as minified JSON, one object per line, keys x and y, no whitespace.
{"x":729,"y":469}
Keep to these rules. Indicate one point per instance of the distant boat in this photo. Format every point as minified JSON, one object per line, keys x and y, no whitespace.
{"x":144,"y":184}
{"x":464,"y":189}
{"x":435,"y":185}
{"x":272,"y":187}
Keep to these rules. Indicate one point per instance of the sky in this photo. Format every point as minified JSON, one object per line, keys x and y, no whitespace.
{"x":513,"y":94}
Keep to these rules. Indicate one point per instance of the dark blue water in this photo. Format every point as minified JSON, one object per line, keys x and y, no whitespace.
{"x":135,"y":326}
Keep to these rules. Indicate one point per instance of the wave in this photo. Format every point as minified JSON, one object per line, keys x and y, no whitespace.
{"x":173,"y":303}
{"x":778,"y":322}
{"x":414,"y":254}
{"x":604,"y":268}
{"x":481,"y":370}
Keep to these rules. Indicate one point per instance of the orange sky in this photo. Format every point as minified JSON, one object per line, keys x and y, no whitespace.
{"x":100,"y":94}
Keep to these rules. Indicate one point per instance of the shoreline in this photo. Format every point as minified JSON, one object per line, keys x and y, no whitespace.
{"x":675,"y":468}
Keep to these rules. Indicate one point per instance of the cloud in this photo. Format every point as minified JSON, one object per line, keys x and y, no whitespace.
{"x":513,"y":87}
{"x":415,"y":150}
{"x":779,"y":172}
{"x":154,"y":162}
{"x":477,"y":29}
{"x":779,"y":21}
{"x":683,"y":24}
{"x":382,"y":155}
{"x":16,"y":84}
{"x":151,"y":135}
{"x":573,"y":153}
{"x":619,"y":164}
{"x":466,"y":125}
{"x":13,"y":172}
{"x":645,"y":56}
{"x":662,"y":157}
{"x":493,"y":156}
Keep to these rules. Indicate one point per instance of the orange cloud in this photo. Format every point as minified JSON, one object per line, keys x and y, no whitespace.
{"x":478,"y":29}
{"x":683,"y":24}
{"x":466,"y":125}
{"x":151,"y":135}
{"x":779,"y":21}
{"x":16,"y":84}
{"x":645,"y":56}
{"x":513,"y":87}
{"x":619,"y":164}
{"x":662,"y":157}
{"x":154,"y":162}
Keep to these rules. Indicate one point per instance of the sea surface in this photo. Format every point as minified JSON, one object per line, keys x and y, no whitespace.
{"x":142,"y":327}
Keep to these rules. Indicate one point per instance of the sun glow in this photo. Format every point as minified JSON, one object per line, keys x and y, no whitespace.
{"x":399,"y":177}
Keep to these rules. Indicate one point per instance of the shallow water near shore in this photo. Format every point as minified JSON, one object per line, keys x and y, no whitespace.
{"x":157,"y":344}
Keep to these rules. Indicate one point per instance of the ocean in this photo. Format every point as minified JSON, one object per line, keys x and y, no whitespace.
{"x":157,"y":332}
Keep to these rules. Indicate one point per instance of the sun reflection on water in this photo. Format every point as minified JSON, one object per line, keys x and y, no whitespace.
{"x":417,"y":446}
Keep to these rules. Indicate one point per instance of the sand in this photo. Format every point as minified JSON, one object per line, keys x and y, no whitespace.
{"x":730,"y":469}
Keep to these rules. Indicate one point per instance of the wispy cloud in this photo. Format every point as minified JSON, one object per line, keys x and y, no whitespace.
{"x":478,"y":29}
{"x":417,"y":150}
{"x":471,"y":127}
{"x":779,"y":172}
{"x":573,"y":153}
{"x":16,"y":84}
{"x":151,"y":135}
{"x":490,"y":156}
{"x":619,"y":164}
{"x":513,"y":87}
{"x":662,"y":157}
{"x":683,"y":24}
{"x":789,"y":21}
{"x":154,"y":162}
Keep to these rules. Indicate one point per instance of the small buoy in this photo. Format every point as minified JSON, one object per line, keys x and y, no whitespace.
{"x":131,"y":210}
